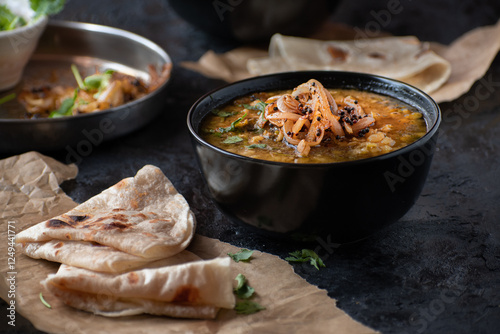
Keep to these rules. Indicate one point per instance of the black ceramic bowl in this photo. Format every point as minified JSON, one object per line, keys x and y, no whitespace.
{"x":344,"y":201}
{"x":256,"y":20}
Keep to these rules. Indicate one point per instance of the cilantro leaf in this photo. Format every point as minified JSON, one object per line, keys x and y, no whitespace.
{"x":98,"y":81}
{"x":232,"y":140}
{"x":243,"y":290}
{"x":242,"y":255}
{"x":306,"y":255}
{"x":260,"y":106}
{"x":233,"y":125}
{"x":222,"y":113}
{"x":248,"y":307}
{"x":256,"y":146}
{"x":66,"y":108}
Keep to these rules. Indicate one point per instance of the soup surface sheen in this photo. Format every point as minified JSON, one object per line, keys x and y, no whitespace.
{"x":236,"y":128}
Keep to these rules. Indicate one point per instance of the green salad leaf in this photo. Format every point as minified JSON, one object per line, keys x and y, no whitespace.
{"x":306,"y":255}
{"x":47,"y":7}
{"x":9,"y":21}
{"x":243,"y":255}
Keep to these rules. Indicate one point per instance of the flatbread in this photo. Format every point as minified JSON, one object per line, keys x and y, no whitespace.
{"x":193,"y":290}
{"x":402,"y":58}
{"x":144,"y":217}
{"x":102,"y":258}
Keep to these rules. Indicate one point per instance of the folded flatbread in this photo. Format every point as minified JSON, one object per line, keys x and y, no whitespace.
{"x":138,"y":220}
{"x":192,"y":290}
{"x":94,"y":256}
{"x":402,"y":58}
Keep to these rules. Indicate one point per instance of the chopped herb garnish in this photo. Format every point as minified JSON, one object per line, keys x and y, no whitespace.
{"x":222,"y":113}
{"x":248,"y":307}
{"x":306,"y":255}
{"x":260,"y":106}
{"x":7,"y":98}
{"x":233,"y":125}
{"x":258,"y":130}
{"x":242,"y":255}
{"x":66,"y":108}
{"x":256,"y":146}
{"x":44,"y":302}
{"x":243,"y":290}
{"x":232,"y":140}
{"x":98,"y":81}
{"x":77,"y":76}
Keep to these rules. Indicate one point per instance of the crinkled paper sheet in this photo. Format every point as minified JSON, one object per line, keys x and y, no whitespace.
{"x":30,"y":193}
{"x":470,"y":56}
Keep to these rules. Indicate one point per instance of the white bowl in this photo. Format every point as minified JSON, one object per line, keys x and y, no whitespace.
{"x":16,"y":48}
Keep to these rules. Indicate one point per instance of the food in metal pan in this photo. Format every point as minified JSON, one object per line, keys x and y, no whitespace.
{"x":96,"y":92}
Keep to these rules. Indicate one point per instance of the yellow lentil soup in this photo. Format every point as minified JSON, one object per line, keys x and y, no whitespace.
{"x":312,"y":124}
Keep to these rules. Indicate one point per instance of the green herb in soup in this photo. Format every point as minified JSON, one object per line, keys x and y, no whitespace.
{"x":311,"y":124}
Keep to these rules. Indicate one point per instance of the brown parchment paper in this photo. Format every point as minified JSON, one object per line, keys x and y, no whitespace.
{"x":30,"y":193}
{"x":470,"y":57}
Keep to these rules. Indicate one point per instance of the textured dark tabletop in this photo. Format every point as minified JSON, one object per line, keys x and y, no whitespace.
{"x":437,"y":270}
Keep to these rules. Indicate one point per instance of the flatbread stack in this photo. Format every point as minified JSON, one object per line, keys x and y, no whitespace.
{"x":123,"y":253}
{"x":402,"y":58}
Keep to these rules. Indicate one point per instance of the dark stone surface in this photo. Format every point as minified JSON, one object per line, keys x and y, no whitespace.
{"x":435,"y":271}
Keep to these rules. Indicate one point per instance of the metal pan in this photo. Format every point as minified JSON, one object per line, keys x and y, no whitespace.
{"x":89,"y":46}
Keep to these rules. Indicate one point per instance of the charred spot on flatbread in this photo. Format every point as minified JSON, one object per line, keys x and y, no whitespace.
{"x":67,"y":221}
{"x":160,"y":221}
{"x":57,"y":223}
{"x":78,"y":219}
{"x":132,"y":277}
{"x":120,"y":217}
{"x":186,"y":294}
{"x":116,"y":225}
{"x":140,"y":215}
{"x":96,"y":244}
{"x":337,"y":54}
{"x":376,"y":55}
